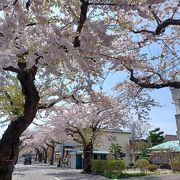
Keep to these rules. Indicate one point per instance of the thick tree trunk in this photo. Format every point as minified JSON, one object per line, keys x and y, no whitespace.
{"x":10,"y":140}
{"x":8,"y":153}
{"x":88,"y":155}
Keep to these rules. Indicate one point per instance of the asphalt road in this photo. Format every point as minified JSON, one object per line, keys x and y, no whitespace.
{"x":47,"y":172}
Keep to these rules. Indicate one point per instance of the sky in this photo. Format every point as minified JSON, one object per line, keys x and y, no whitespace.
{"x":163,"y":117}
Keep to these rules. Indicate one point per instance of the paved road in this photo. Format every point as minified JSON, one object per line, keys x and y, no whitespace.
{"x":46,"y":172}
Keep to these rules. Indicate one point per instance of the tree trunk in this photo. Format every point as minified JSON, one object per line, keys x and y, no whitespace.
{"x":52,"y":154}
{"x":36,"y":157}
{"x":62,"y":155}
{"x":39,"y":155}
{"x":10,"y":140}
{"x":10,"y":151}
{"x":59,"y":162}
{"x":88,"y":155}
{"x":45,"y":155}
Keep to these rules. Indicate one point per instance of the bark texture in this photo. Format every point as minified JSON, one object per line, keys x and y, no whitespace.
{"x":10,"y":140}
{"x":88,"y":155}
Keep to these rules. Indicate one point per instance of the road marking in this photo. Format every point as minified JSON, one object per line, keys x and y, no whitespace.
{"x":56,"y":178}
{"x":44,"y":171}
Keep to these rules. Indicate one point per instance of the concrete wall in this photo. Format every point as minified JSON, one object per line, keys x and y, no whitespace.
{"x":105,"y":140}
{"x":178,"y":125}
{"x":176,"y":98}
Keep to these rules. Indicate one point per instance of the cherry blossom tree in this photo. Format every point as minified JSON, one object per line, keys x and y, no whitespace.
{"x":138,"y":130}
{"x":27,"y":53}
{"x":45,"y":137}
{"x":146,"y":42}
{"x":77,"y":41}
{"x":136,"y":99}
{"x":85,"y":121}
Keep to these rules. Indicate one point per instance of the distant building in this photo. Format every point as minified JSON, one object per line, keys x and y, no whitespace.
{"x":73,"y":152}
{"x":165,"y":152}
{"x":169,"y":137}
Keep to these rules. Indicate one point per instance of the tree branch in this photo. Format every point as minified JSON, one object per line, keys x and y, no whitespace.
{"x":103,"y":4}
{"x":147,"y":84}
{"x":161,"y":27}
{"x":82,"y":19}
{"x":77,"y":131}
{"x":11,"y":68}
{"x":155,"y":16}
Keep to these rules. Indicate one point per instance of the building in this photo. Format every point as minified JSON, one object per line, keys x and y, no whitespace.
{"x":176,"y":98}
{"x":165,"y":152}
{"x":73,"y":152}
{"x":170,"y":137}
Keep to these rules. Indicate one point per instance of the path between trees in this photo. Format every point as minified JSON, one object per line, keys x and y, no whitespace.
{"x":47,"y":172}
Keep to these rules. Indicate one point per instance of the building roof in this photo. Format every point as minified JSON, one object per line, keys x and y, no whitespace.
{"x":117,"y":131}
{"x":94,"y":152}
{"x":169,"y":137}
{"x":71,"y":143}
{"x":170,"y":145}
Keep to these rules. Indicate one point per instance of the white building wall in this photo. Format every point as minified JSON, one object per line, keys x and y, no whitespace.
{"x":176,"y":98}
{"x":121,"y":138}
{"x":72,"y":161}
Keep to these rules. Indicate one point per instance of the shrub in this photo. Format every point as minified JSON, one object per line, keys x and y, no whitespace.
{"x":116,"y":165}
{"x":107,"y":166}
{"x":152,"y":167}
{"x":108,"y":173}
{"x":119,"y":175}
{"x":175,"y":165}
{"x":142,"y":164}
{"x":98,"y":166}
{"x":165,"y":166}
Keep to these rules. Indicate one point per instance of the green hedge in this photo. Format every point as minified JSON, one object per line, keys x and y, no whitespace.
{"x":105,"y":166}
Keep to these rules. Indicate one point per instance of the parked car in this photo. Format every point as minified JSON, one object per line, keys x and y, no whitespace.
{"x":27,"y":160}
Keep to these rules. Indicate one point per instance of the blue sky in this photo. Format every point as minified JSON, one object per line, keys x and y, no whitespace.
{"x":164,"y":116}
